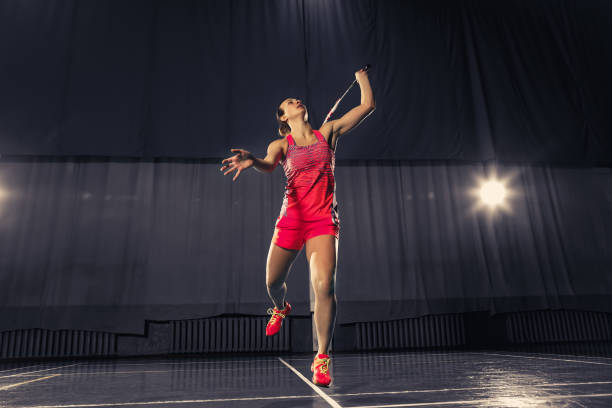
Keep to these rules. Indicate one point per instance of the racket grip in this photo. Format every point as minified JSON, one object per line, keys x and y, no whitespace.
{"x":367,"y":67}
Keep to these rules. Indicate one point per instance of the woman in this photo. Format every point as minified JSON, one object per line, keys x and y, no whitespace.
{"x":309,"y":212}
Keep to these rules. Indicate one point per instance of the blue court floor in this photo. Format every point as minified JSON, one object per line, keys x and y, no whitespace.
{"x":484,"y":378}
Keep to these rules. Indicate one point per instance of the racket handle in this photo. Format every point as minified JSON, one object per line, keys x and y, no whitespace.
{"x":367,"y":67}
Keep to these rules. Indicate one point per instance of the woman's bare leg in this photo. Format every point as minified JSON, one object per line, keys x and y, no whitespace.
{"x":277,"y":269}
{"x":321,"y":253}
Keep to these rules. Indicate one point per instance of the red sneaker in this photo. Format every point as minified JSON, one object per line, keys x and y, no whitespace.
{"x":320,"y":367}
{"x":276,"y":321}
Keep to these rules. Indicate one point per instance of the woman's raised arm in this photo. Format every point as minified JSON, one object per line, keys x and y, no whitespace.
{"x":353,"y":117}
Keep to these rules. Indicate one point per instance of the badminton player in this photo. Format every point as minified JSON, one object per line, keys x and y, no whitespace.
{"x":309,"y":212}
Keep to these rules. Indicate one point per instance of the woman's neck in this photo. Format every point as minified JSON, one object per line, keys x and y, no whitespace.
{"x":301,"y":130}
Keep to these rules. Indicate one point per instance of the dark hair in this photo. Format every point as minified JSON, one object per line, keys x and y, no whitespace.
{"x":283,"y":127}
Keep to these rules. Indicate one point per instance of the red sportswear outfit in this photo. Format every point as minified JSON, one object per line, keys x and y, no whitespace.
{"x":309,"y":205}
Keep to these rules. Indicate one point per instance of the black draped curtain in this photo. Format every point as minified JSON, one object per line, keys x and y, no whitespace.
{"x":512,"y":80}
{"x":114,"y":116}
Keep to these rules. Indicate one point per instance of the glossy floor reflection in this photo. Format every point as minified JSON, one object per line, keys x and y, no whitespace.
{"x":528,"y":377}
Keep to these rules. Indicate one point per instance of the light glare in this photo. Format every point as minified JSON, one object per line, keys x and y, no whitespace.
{"x":492,"y":193}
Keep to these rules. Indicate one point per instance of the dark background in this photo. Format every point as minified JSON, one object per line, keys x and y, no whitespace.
{"x":114,"y":117}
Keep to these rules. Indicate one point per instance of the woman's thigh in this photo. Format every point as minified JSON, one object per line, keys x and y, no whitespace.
{"x":279,"y":263}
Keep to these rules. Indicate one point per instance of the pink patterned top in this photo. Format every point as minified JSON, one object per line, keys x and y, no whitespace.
{"x":310,"y":194}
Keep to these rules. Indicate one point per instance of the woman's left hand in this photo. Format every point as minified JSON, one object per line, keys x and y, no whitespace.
{"x":242,"y":160}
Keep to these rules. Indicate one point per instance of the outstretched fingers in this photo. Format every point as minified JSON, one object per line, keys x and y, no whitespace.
{"x":237,"y":174}
{"x":232,"y":164}
{"x":231,"y":161}
{"x":229,"y":171}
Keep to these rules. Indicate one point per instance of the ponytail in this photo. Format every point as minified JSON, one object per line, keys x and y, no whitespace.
{"x":283,"y":127}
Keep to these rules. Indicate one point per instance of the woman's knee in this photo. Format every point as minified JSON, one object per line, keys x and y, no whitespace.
{"x":278,"y":265}
{"x":324,"y":287}
{"x":274,"y":282}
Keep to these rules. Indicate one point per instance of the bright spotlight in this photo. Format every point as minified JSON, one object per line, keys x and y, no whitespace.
{"x":492,"y":193}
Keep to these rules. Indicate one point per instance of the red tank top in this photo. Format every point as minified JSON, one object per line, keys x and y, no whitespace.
{"x":310,"y":194}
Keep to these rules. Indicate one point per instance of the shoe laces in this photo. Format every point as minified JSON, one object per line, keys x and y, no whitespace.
{"x":275,"y":315}
{"x":322,"y":364}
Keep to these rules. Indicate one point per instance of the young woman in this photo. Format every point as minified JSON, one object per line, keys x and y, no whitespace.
{"x":309,"y":213}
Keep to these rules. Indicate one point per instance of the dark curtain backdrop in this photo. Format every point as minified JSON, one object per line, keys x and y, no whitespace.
{"x":114,"y":116}
{"x":470,"y":80}
{"x":104,"y":245}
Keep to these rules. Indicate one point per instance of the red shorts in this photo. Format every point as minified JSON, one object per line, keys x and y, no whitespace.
{"x":290,"y":233}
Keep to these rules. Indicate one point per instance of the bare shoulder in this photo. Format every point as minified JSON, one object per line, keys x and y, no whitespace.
{"x":327,"y":129}
{"x":278,"y":145}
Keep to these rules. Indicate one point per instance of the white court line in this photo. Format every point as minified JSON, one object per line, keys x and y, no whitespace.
{"x":20,"y":368}
{"x":228,"y":361}
{"x":128,"y":372}
{"x":492,"y":387}
{"x":113,"y":363}
{"x":564,"y":355}
{"x":545,"y":358}
{"x":6,"y":387}
{"x":37,"y":371}
{"x":85,"y":365}
{"x":323,"y":395}
{"x":123,"y":372}
{"x":338,"y":357}
{"x":116,"y":404}
{"x":527,"y":400}
{"x":119,"y":404}
{"x":343,"y":357}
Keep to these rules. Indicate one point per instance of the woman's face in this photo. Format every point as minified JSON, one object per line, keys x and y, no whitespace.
{"x":293,"y":108}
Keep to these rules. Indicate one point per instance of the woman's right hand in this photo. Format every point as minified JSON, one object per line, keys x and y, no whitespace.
{"x":241,"y":161}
